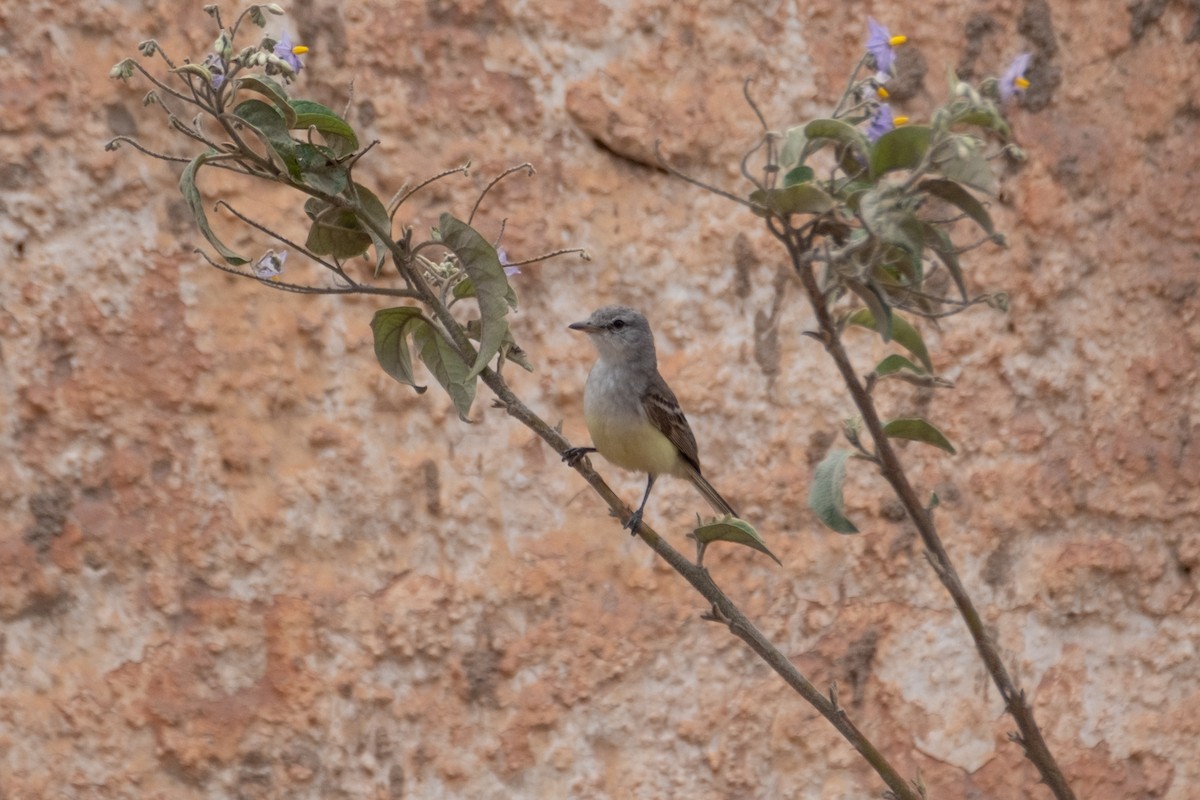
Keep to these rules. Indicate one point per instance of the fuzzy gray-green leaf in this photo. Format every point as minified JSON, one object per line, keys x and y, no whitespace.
{"x":825,"y":492}
{"x":802,"y":198}
{"x":272,"y":91}
{"x":447,"y":366}
{"x":337,"y":132}
{"x":733,"y":530}
{"x":899,"y":148}
{"x":187,"y":186}
{"x":896,"y":363}
{"x":391,"y":328}
{"x":271,"y":127}
{"x":918,"y":430}
{"x":902,"y":331}
{"x":490,"y":284}
{"x":960,"y":198}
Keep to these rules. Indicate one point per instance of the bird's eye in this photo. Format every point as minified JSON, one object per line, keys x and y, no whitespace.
{"x":617,"y":324}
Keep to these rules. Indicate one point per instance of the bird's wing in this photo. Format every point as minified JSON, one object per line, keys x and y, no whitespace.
{"x":663,"y":411}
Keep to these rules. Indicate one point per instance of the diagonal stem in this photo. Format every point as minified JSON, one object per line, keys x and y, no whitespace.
{"x":1031,"y":738}
{"x":724,"y":609}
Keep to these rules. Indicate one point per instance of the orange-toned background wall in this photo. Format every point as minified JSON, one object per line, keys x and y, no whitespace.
{"x":237,"y":560}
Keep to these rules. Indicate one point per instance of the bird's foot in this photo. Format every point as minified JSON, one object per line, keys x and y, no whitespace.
{"x":573,"y":456}
{"x":634,"y":521}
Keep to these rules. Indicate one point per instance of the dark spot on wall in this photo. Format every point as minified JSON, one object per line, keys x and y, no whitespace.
{"x":979,"y":27}
{"x":910,"y":69}
{"x":49,"y":509}
{"x":1036,"y":25}
{"x":120,"y":120}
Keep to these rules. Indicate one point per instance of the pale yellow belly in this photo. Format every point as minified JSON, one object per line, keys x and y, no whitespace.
{"x":634,"y":444}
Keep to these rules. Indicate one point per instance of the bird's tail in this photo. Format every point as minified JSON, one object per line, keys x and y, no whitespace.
{"x":720,"y":504}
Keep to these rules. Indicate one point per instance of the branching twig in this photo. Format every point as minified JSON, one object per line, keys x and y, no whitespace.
{"x":583,"y":255}
{"x":530,"y":172}
{"x":662,"y":162}
{"x":298,"y":288}
{"x":334,"y":268}
{"x":394,"y":206}
{"x":114,"y":142}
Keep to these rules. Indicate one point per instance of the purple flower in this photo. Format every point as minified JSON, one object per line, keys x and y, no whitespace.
{"x":881,"y":45}
{"x":270,"y":266}
{"x":1012,"y":82}
{"x":290,"y":53}
{"x":881,"y":122}
{"x":508,"y":269}
{"x":216,"y":67}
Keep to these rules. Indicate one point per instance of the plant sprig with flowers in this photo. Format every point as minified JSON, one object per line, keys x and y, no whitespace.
{"x":250,"y":123}
{"x":876,"y":214}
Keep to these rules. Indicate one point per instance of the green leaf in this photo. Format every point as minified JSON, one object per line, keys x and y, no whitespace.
{"x":374,"y":212}
{"x":852,"y":193}
{"x":391,"y":328}
{"x":803,"y":198}
{"x":320,"y":170}
{"x":372,"y":208}
{"x":961,"y":158}
{"x":940,"y":243}
{"x":463,"y":289}
{"x":510,"y":350}
{"x":337,"y":132}
{"x":961,"y":199}
{"x":273,"y":92}
{"x":335,"y":231}
{"x":918,"y":430}
{"x":896,"y":363}
{"x":986,"y":117}
{"x":800,"y":174}
{"x":877,"y":315}
{"x":910,"y":339}
{"x":270,"y":126}
{"x":447,"y":367}
{"x":733,"y":530}
{"x":793,"y":146}
{"x":201,"y":72}
{"x":825,"y":493}
{"x":340,"y":232}
{"x":908,"y":234}
{"x":492,"y":290}
{"x":886,"y":212}
{"x":902,"y":331}
{"x":899,"y":148}
{"x":187,"y":185}
{"x":839,"y":132}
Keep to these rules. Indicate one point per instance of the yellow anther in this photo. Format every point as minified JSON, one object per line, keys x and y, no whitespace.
{"x":882,"y":92}
{"x":299,"y":50}
{"x":896,"y":41}
{"x":1021,"y":83}
{"x":899,"y":120}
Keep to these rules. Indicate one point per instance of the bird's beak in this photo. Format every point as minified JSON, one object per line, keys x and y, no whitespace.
{"x":586,"y":326}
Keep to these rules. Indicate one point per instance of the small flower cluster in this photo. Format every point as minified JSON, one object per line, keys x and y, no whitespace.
{"x":280,"y":57}
{"x":881,"y":45}
{"x":274,"y":56}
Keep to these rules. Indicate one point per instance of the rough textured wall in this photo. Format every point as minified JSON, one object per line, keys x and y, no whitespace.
{"x":237,"y":560}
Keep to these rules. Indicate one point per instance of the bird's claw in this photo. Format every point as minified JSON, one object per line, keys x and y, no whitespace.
{"x":574,"y":455}
{"x":634,"y":521}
